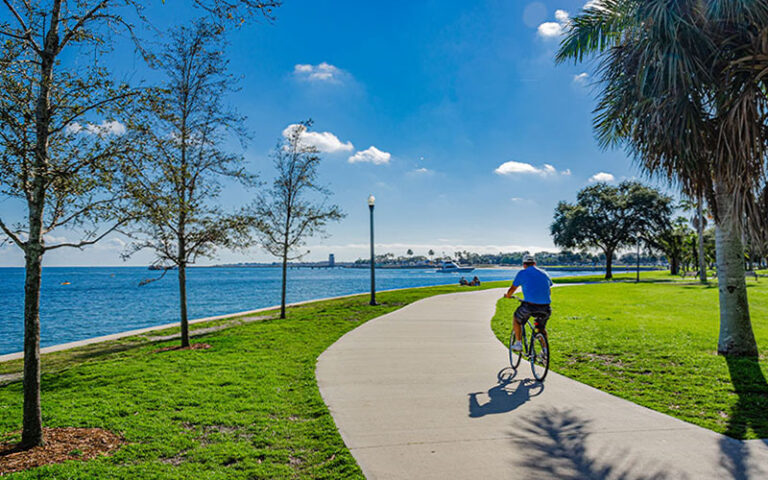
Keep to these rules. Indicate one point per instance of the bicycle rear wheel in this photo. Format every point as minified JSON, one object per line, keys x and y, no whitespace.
{"x":539,"y":356}
{"x":514,"y":357}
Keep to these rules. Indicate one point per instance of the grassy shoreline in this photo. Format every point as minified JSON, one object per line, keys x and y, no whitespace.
{"x":247,"y":408}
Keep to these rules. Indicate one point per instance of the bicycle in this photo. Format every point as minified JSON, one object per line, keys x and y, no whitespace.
{"x":536,"y":351}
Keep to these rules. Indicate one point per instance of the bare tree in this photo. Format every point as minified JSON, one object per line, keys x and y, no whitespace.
{"x":287,"y":213}
{"x":61,"y":144}
{"x":183,"y":160}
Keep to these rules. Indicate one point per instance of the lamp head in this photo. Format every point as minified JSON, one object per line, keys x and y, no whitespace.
{"x":371,"y":200}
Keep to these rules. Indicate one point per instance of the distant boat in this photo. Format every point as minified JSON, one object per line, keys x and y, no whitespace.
{"x":451,"y":267}
{"x":66,"y":283}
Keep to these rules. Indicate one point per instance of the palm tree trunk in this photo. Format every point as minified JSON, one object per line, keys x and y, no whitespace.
{"x":736,"y":335}
{"x":700,"y":239}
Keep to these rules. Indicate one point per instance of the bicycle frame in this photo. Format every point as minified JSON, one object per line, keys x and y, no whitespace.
{"x":528,"y":346}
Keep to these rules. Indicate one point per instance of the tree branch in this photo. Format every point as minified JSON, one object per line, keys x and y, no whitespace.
{"x":85,"y":243}
{"x":24,"y":27}
{"x":71,"y":32}
{"x":12,"y":235}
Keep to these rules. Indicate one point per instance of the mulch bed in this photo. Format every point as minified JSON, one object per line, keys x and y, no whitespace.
{"x":61,"y":445}
{"x":194,"y":346}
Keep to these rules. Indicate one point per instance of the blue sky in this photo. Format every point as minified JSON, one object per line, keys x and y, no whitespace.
{"x":452,"y":113}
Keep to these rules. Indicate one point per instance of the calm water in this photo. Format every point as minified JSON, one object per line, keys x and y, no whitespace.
{"x":105,"y":300}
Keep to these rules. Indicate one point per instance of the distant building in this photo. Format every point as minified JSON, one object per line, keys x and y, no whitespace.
{"x":331,"y":261}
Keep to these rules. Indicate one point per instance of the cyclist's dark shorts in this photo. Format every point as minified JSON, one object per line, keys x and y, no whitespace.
{"x":526,"y":310}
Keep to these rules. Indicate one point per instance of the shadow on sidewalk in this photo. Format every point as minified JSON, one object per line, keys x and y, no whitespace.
{"x":555,"y":442}
{"x":505,"y":396}
{"x":750,"y":385}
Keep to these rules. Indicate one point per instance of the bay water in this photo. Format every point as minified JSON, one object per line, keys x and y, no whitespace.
{"x":84,"y":302}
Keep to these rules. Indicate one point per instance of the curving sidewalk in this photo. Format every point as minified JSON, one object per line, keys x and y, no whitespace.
{"x":423,"y":393}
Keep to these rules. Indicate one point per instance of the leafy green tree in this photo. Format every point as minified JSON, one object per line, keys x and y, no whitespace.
{"x":609,"y":218}
{"x":61,"y":144}
{"x":61,"y":139}
{"x":409,"y":252}
{"x":182,"y":160}
{"x":682,"y":88}
{"x":674,"y":241}
{"x":288,"y":214}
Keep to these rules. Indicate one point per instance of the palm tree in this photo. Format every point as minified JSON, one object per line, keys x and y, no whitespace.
{"x":699,"y":222}
{"x":680,"y":90}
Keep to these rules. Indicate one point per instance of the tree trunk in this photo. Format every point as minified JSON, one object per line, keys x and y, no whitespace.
{"x":285,"y":279}
{"x":32,"y":429}
{"x":700,"y":234}
{"x":608,"y":264}
{"x":32,"y":423}
{"x":736,"y":335}
{"x":674,"y":266}
{"x":183,"y":304}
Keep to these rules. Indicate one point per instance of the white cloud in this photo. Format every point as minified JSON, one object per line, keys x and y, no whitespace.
{"x":325,"y":142}
{"x":581,"y":79}
{"x":562,"y":16}
{"x":521,"y":168}
{"x":422,"y":171}
{"x":73,"y":128}
{"x":371,"y":155}
{"x":105,"y":128}
{"x":549,"y":30}
{"x":53,"y":239}
{"x":602,"y":177}
{"x":320,"y":73}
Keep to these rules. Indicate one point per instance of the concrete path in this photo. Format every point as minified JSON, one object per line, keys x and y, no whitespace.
{"x":423,"y":393}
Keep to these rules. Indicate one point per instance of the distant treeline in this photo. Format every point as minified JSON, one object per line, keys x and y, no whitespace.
{"x":515,"y":258}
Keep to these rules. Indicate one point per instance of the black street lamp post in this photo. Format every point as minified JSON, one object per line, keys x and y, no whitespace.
{"x":371,"y":200}
{"x":638,"y":260}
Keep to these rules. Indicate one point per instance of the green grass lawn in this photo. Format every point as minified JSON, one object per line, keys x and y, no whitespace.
{"x":250,"y":408}
{"x":655,"y":344}
{"x":247,"y":408}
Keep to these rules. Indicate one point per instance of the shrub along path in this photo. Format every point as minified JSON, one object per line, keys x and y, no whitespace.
{"x":415,"y":394}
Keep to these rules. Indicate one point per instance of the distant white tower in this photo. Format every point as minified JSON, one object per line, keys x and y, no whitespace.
{"x":331,"y":261}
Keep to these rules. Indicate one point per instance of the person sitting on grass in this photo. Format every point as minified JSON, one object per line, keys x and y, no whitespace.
{"x":536,"y":286}
{"x":475,"y":282}
{"x":463,"y":282}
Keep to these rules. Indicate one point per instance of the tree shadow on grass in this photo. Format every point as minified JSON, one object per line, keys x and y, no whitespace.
{"x":555,"y":446}
{"x":507,"y":395}
{"x":749,"y":413}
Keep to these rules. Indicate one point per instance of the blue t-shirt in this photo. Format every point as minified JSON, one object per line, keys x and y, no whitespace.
{"x":535,"y":283}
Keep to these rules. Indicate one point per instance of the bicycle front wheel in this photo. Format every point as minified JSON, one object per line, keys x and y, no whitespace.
{"x":514,"y":357}
{"x":539,"y":356}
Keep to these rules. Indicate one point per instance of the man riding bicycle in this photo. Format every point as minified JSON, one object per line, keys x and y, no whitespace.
{"x":536,"y":286}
